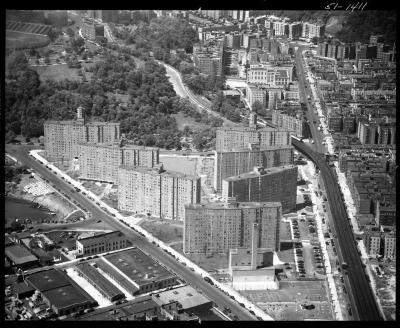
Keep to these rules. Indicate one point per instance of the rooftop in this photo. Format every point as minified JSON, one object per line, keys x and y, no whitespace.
{"x":19,"y":255}
{"x":224,"y":205}
{"x":105,"y":237}
{"x":49,"y":279}
{"x":186,"y":295}
{"x":261,"y":172}
{"x":66,"y":296}
{"x":156,"y":171}
{"x":139,"y":267}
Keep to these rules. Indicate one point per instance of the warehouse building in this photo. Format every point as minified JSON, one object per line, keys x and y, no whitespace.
{"x":20,"y":257}
{"x":264,"y":185}
{"x":188,"y":297}
{"x":145,"y":273}
{"x":218,"y":227}
{"x":60,"y":292}
{"x":102,"y":243}
{"x":103,"y":285}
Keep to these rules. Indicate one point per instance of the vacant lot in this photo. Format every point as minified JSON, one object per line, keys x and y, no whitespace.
{"x":57,"y":72}
{"x":163,"y":230}
{"x":25,"y":40}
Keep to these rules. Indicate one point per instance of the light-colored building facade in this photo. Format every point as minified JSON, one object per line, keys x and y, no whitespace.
{"x":100,"y":243}
{"x":101,"y":161}
{"x":156,"y":192}
{"x":254,"y":93}
{"x":265,"y":74}
{"x":61,"y":138}
{"x":233,"y":163}
{"x":236,"y":138}
{"x":288,"y":122}
{"x":389,"y":251}
{"x":264,"y":185}
{"x":216,"y":228}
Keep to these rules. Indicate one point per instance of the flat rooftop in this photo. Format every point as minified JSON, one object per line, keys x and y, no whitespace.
{"x":116,"y":145}
{"x":49,"y":279}
{"x":267,"y":171}
{"x":105,"y":237}
{"x":186,"y":295}
{"x":156,"y":172}
{"x":66,"y":296}
{"x":76,"y":122}
{"x":224,"y":205}
{"x":19,"y":254}
{"x":139,"y":267}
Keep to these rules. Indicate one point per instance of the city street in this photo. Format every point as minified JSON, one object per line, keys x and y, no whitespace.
{"x":21,"y":153}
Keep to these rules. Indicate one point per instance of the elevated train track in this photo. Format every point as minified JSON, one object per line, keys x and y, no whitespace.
{"x":361,"y":296}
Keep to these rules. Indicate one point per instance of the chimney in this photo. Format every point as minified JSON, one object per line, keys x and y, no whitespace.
{"x":254,"y":240}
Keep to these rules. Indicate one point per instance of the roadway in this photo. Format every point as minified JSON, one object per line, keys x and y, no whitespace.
{"x":310,"y":113}
{"x":360,"y":294}
{"x":214,"y":294}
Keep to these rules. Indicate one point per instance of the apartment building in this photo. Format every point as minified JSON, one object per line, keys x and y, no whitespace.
{"x":274,"y":96}
{"x":91,"y":30}
{"x":311,"y":30}
{"x":62,"y":138}
{"x":372,"y":240}
{"x":209,"y":58}
{"x":254,"y":93}
{"x":264,"y":185}
{"x":265,"y":74}
{"x":389,"y":250}
{"x":102,"y":243}
{"x":236,"y":138}
{"x":288,"y":122}
{"x":217,"y":228}
{"x":101,"y":161}
{"x":373,"y":133}
{"x":233,"y":163}
{"x":156,"y":192}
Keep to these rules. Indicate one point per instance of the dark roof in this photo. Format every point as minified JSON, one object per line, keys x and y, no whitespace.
{"x":49,"y":279}
{"x":8,"y":241}
{"x":19,"y":254}
{"x":66,"y":296}
{"x":136,"y":265}
{"x":105,"y":237}
{"x":22,"y":287}
{"x":101,"y":282}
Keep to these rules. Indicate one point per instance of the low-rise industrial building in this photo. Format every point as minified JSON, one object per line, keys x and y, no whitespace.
{"x":20,"y":257}
{"x":144,"y":272}
{"x":102,"y":243}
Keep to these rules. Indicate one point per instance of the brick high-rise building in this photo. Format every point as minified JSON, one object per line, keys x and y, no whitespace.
{"x":156,"y":192}
{"x":264,"y":185}
{"x":288,"y":122}
{"x":61,"y":138}
{"x":217,"y":228}
{"x":101,"y":161}
{"x":233,"y":163}
{"x":235,"y":138}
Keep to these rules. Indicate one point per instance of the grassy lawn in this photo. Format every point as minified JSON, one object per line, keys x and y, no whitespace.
{"x":124,"y":99}
{"x":19,"y":39}
{"x":57,"y":72}
{"x":163,"y":230}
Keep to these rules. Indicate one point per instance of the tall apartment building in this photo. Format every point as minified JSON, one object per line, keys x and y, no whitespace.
{"x":61,"y":138}
{"x":281,"y":28}
{"x":264,"y":185}
{"x":209,"y":59}
{"x":311,"y":30}
{"x":372,"y":133}
{"x":101,"y":161}
{"x":217,"y":228}
{"x":274,"y":94}
{"x":288,"y":122}
{"x":156,"y":192}
{"x":233,"y":40}
{"x":389,"y":250}
{"x":295,"y":30}
{"x":372,"y":240}
{"x":270,"y":75}
{"x":91,"y":30}
{"x":254,"y":93}
{"x":233,"y":163}
{"x":235,"y":138}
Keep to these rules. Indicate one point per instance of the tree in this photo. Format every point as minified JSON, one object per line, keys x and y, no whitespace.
{"x":257,"y":106}
{"x":70,"y":32}
{"x":47,"y":60}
